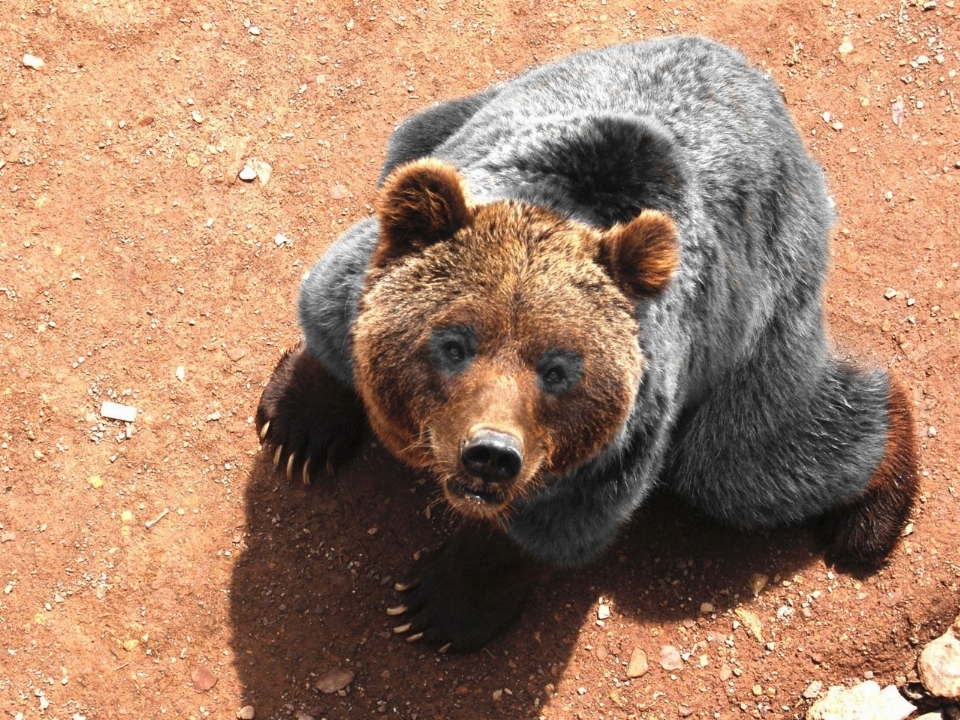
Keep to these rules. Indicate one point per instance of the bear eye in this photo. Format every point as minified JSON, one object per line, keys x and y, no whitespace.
{"x":559,"y":370}
{"x":454,"y":351}
{"x":452,"y":348}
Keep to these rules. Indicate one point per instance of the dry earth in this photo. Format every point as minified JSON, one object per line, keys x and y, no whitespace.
{"x":129,"y":250}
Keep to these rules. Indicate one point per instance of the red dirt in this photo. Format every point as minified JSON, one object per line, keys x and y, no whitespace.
{"x":112,"y":279}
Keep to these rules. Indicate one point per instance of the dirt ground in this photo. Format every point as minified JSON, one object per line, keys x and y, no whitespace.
{"x":136,"y":267}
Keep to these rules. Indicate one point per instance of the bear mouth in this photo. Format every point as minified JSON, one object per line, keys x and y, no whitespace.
{"x":468,"y":498}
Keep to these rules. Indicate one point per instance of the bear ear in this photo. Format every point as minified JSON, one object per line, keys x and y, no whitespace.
{"x":642,"y":255}
{"x":420,"y":203}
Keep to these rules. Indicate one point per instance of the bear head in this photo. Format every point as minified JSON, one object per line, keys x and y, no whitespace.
{"x":498,"y":342}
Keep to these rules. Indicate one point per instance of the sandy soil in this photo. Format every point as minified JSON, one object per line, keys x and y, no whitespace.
{"x":136,"y":267}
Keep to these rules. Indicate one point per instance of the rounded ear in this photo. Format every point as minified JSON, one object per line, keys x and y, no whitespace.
{"x":642,"y":255}
{"x":420,"y":203}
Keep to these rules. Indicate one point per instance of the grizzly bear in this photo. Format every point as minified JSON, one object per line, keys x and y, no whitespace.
{"x":603,"y":276}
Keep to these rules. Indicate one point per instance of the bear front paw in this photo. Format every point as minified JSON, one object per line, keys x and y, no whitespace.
{"x":307,"y":418}
{"x":469,"y":592}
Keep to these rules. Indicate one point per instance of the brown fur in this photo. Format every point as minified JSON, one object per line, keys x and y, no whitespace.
{"x":867,"y":530}
{"x":528,"y":281}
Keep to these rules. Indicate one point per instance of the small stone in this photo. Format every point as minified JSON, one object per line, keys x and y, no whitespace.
{"x":846,"y":47}
{"x":922,"y":59}
{"x":684,"y":711}
{"x":758,"y":690}
{"x":939,"y":665}
{"x":725,"y":673}
{"x":838,"y":126}
{"x":497,"y":694}
{"x":253,"y":30}
{"x":280,"y":239}
{"x":181,"y":373}
{"x":865,"y":702}
{"x":706,"y":608}
{"x":246,"y":713}
{"x":603,"y":612}
{"x":8,"y":537}
{"x":751,"y":622}
{"x":931,"y":431}
{"x":116,"y":411}
{"x":827,"y":116}
{"x":248,"y":174}
{"x":670,"y":658}
{"x":638,"y":666}
{"x":758,"y":581}
{"x":336,"y":679}
{"x":193,"y":160}
{"x":32,"y":61}
{"x":813,"y":690}
{"x":890,"y":294}
{"x":203,"y":679}
{"x":197,"y":117}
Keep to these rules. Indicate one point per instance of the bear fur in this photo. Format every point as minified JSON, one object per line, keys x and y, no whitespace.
{"x":603,"y":276}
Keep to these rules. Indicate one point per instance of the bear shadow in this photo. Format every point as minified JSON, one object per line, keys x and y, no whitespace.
{"x":317,"y":567}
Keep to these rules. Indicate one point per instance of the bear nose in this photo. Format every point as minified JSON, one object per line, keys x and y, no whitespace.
{"x":492,"y":456}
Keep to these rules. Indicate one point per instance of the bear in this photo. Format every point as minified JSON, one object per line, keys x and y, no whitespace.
{"x":599,"y":278}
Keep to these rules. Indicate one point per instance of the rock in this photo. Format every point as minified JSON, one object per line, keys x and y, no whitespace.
{"x":116,"y":411}
{"x":939,"y":665}
{"x":813,"y":690}
{"x":866,"y":701}
{"x":203,"y":679}
{"x":890,"y":293}
{"x":638,"y":666}
{"x":725,"y":673}
{"x":32,"y":61}
{"x":336,"y":679}
{"x":751,"y":622}
{"x":248,"y":174}
{"x":603,"y":612}
{"x":758,"y":581}
{"x":846,"y":47}
{"x":246,"y":713}
{"x":670,"y":658}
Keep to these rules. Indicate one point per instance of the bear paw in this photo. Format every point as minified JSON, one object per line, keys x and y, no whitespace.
{"x":468,"y":592}
{"x":307,"y":418}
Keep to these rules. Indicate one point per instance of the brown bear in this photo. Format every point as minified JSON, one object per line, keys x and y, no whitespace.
{"x":602,"y":276}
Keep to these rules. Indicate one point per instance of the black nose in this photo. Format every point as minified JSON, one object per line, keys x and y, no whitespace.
{"x":492,"y":456}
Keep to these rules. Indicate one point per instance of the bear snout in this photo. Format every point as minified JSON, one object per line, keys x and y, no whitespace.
{"x":491,"y":456}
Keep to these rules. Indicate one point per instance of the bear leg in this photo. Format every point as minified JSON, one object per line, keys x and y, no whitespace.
{"x":307,"y":418}
{"x":469,"y":591}
{"x":792,"y":434}
{"x":867,"y":530}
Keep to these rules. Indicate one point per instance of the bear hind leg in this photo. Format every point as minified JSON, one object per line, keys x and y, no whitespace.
{"x":866,"y":530}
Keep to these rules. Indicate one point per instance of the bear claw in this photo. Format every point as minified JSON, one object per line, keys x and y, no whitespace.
{"x":290,"y":461}
{"x":398,"y":610}
{"x":405,"y":587}
{"x":276,"y":456}
{"x":413,"y":638}
{"x":306,"y":472}
{"x":400,"y":629}
{"x":443,"y":650}
{"x":264,"y":430}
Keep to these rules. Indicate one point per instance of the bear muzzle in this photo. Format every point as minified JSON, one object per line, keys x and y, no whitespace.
{"x":489,"y":462}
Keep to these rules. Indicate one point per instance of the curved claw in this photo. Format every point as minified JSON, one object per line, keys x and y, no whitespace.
{"x":290,"y":461}
{"x":400,"y":629}
{"x":405,"y":587}
{"x":264,"y":430}
{"x":443,"y":650}
{"x":413,"y":638}
{"x":306,"y":472}
{"x":276,"y":456}
{"x":398,"y":610}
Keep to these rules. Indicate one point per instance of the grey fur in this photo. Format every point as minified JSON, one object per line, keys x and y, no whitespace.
{"x":743,"y":409}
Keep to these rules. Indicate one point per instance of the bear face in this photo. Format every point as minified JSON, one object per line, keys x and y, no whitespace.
{"x":498,"y":342}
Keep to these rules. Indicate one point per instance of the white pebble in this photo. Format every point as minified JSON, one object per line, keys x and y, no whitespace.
{"x":248,"y":174}
{"x":931,"y":431}
{"x":282,"y":240}
{"x":116,"y":411}
{"x":32,"y":61}
{"x":254,"y":30}
{"x":888,"y":195}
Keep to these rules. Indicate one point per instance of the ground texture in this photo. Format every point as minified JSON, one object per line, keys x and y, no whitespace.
{"x":136,"y":267}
